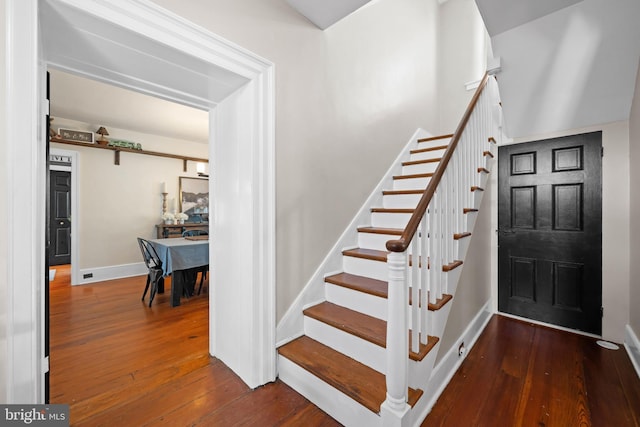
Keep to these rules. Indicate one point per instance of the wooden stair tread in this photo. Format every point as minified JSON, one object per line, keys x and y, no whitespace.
{"x":380,"y":230}
{"x":376,"y":287}
{"x":415,"y":175}
{"x":434,"y":138}
{"x":483,"y":170}
{"x":451,"y":266}
{"x":399,"y":192}
{"x":476,"y":188}
{"x":361,"y":325}
{"x":363,"y":384}
{"x":363,"y":284}
{"x":371,"y":254}
{"x":469,"y":210}
{"x":426,"y":150}
{"x":488,"y":153}
{"x":421,"y":162}
{"x":458,"y":236}
{"x":392,"y":210}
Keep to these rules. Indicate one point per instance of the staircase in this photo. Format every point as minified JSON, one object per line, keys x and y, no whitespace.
{"x":353,"y":359}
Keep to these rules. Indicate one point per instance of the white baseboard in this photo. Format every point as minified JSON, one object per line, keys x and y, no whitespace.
{"x":100,"y":274}
{"x":632,"y":344}
{"x":449,"y":364}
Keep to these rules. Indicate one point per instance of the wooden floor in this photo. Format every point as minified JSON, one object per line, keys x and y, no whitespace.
{"x":118,"y":362}
{"x":520,"y":374}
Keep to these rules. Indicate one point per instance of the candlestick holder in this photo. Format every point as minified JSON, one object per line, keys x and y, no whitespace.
{"x":164,"y":203}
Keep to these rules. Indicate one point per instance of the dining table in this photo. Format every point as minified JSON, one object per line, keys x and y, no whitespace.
{"x":181,"y":257}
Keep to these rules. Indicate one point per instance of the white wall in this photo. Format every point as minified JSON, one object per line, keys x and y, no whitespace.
{"x":346,"y":101}
{"x":462,"y":58}
{"x":119,"y":203}
{"x":615,"y":223}
{"x":634,"y":159}
{"x":4,"y":194}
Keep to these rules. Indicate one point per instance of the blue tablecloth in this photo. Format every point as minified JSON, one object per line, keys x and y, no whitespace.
{"x":181,"y":254}
{"x":179,"y":258}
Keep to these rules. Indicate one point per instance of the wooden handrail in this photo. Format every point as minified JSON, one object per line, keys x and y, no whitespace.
{"x":401,"y":244}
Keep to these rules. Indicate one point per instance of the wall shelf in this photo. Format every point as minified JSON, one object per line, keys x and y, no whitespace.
{"x":118,"y":150}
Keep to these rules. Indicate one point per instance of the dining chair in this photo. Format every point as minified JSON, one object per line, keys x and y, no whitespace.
{"x":205,"y":268}
{"x":154,"y":266}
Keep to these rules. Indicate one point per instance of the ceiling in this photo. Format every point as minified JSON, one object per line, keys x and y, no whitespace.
{"x":324,"y":13}
{"x":101,"y":104}
{"x":503,"y":15}
{"x":565,"y":64}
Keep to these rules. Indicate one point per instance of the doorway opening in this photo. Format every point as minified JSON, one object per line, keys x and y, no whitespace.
{"x":204,"y":71}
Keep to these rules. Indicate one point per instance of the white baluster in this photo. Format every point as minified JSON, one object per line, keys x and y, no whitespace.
{"x":424,"y":291}
{"x":415,"y":298}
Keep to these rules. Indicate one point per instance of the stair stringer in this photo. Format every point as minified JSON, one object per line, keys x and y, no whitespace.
{"x":291,"y":325}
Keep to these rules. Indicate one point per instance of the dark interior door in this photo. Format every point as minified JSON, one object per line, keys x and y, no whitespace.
{"x":60,"y":218}
{"x":550,"y":231}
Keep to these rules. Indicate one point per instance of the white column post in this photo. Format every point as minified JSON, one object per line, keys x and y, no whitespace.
{"x":394,"y":409}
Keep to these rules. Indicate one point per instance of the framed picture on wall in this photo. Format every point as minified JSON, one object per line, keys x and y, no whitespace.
{"x":194,"y":198}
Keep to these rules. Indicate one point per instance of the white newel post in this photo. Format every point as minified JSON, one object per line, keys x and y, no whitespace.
{"x":394,"y":409}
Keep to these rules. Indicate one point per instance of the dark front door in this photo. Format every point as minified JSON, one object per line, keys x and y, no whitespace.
{"x":60,"y":218}
{"x":550,"y":231}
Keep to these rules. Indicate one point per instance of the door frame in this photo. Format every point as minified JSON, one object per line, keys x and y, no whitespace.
{"x":75,"y":211}
{"x":243,"y":123}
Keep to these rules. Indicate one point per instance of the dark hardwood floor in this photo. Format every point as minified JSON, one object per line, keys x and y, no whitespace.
{"x":116,"y":361}
{"x":521,"y":374}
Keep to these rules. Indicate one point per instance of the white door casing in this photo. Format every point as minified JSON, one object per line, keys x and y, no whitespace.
{"x":236,"y":86}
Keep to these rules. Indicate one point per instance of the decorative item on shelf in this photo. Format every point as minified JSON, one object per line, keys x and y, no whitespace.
{"x":181,"y":217}
{"x":168,"y":218}
{"x":52,"y":131}
{"x":102,"y":131}
{"x":76,"y":135}
{"x":125,"y":144}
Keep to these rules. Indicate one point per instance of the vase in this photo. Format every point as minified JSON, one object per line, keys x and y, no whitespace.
{"x":181,"y":221}
{"x":168,"y":222}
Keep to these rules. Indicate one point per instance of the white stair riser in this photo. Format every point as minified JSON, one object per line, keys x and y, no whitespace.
{"x":401,"y":201}
{"x":411,"y":183}
{"x":462,"y":247}
{"x":425,"y":155}
{"x":365,"y":267}
{"x":341,"y":407}
{"x":422,"y":369}
{"x":390,"y":219}
{"x":453,"y":277}
{"x":439,"y":320}
{"x":375,"y":240}
{"x":350,"y":345}
{"x":419,"y":168}
{"x":368,"y":304}
{"x":471,"y":218}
